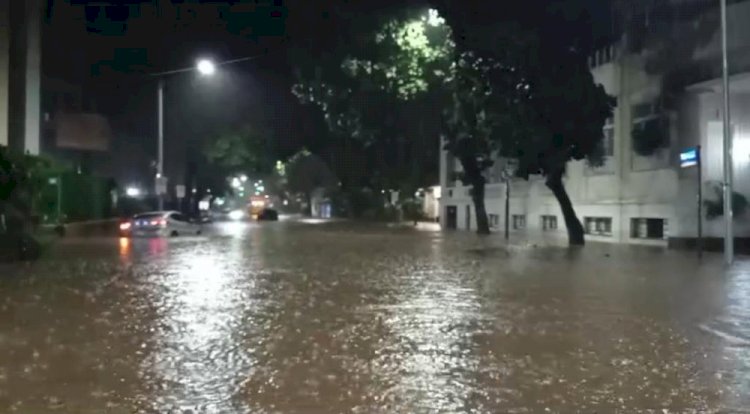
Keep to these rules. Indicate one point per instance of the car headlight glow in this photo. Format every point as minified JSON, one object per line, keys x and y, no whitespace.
{"x":236,"y":214}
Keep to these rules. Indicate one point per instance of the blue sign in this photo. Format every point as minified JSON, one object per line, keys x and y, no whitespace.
{"x":689,"y":157}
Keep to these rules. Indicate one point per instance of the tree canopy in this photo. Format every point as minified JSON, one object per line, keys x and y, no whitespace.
{"x":379,"y":92}
{"x":515,"y":85}
{"x":245,"y":149}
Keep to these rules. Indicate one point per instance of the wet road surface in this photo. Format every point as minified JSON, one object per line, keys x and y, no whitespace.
{"x":335,"y":318}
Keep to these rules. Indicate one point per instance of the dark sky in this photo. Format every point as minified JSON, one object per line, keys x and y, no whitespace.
{"x":109,"y":48}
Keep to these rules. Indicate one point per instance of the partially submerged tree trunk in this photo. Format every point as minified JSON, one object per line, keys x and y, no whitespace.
{"x":308,"y":208}
{"x":473,"y":176}
{"x":575,"y":229}
{"x":477,"y":196}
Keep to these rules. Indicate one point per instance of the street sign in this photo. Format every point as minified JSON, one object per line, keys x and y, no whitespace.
{"x":161,"y":185}
{"x":689,"y":157}
{"x":180,"y":190}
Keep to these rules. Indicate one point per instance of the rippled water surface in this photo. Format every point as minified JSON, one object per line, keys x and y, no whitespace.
{"x":335,"y":318}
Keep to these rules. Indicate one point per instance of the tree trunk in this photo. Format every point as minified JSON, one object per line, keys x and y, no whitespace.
{"x":575,"y":229}
{"x":308,"y":208}
{"x":477,"y":196}
{"x":473,"y":175}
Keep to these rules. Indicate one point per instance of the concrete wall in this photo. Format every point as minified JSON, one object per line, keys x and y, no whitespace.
{"x":24,"y":87}
{"x":4,"y":67}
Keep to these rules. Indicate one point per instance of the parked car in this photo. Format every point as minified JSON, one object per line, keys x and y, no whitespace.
{"x":268,"y":214}
{"x":159,"y":223}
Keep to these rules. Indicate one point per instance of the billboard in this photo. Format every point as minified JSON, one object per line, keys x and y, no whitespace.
{"x":82,"y":131}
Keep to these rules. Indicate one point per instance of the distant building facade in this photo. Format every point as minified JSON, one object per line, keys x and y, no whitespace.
{"x":636,"y":198}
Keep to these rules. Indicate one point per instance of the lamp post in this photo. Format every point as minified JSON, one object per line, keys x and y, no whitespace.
{"x":206,"y":68}
{"x":728,"y":214}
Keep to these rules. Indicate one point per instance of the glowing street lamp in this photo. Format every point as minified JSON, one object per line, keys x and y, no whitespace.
{"x":206,"y":67}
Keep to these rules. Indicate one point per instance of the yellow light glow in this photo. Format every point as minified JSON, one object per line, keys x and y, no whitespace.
{"x":124,"y":246}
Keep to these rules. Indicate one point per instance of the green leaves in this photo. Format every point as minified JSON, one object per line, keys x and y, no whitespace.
{"x":404,"y":58}
{"x":245,"y":149}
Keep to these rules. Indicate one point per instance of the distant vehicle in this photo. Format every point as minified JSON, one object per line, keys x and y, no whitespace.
{"x":159,"y":223}
{"x":268,"y":214}
{"x":257,"y":205}
{"x":236,"y":215}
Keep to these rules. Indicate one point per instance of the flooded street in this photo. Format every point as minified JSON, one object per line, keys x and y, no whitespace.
{"x":334,"y":318}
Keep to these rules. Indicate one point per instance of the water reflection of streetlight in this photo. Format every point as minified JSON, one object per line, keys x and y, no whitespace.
{"x":199,"y":316}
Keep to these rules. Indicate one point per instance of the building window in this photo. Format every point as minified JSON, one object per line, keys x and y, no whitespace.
{"x":494,"y":220}
{"x":598,"y":226}
{"x":650,"y":131}
{"x":549,"y":223}
{"x":519,"y":221}
{"x":648,"y":228}
{"x":608,"y":142}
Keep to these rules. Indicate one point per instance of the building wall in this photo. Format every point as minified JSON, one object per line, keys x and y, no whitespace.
{"x":626,"y":187}
{"x":4,"y":67}
{"x":629,"y":186}
{"x":20,"y":71}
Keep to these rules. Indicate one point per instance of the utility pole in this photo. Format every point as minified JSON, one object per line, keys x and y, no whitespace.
{"x":728,"y":215}
{"x":160,"y":160}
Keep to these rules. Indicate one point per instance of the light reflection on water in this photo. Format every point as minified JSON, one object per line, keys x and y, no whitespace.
{"x":333,"y":318}
{"x":194,"y":355}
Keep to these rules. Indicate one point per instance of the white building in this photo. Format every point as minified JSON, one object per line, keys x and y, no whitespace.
{"x":20,"y":74}
{"x":634,"y":198}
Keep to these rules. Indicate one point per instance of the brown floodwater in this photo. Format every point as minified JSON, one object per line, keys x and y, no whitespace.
{"x":338,"y":318}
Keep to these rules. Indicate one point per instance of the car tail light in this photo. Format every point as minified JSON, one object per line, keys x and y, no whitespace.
{"x":163,"y":223}
{"x":125,"y":226}
{"x":154,"y":222}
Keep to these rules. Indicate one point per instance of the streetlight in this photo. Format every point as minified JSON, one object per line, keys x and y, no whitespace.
{"x":204,"y":67}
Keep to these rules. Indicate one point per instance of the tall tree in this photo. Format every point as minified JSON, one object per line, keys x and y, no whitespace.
{"x":378,"y":93}
{"x":568,"y":113}
{"x":305,"y":173}
{"x":487,"y":104}
{"x":550,"y":111}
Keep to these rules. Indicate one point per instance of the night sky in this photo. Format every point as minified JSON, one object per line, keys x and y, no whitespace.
{"x":110,"y":48}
